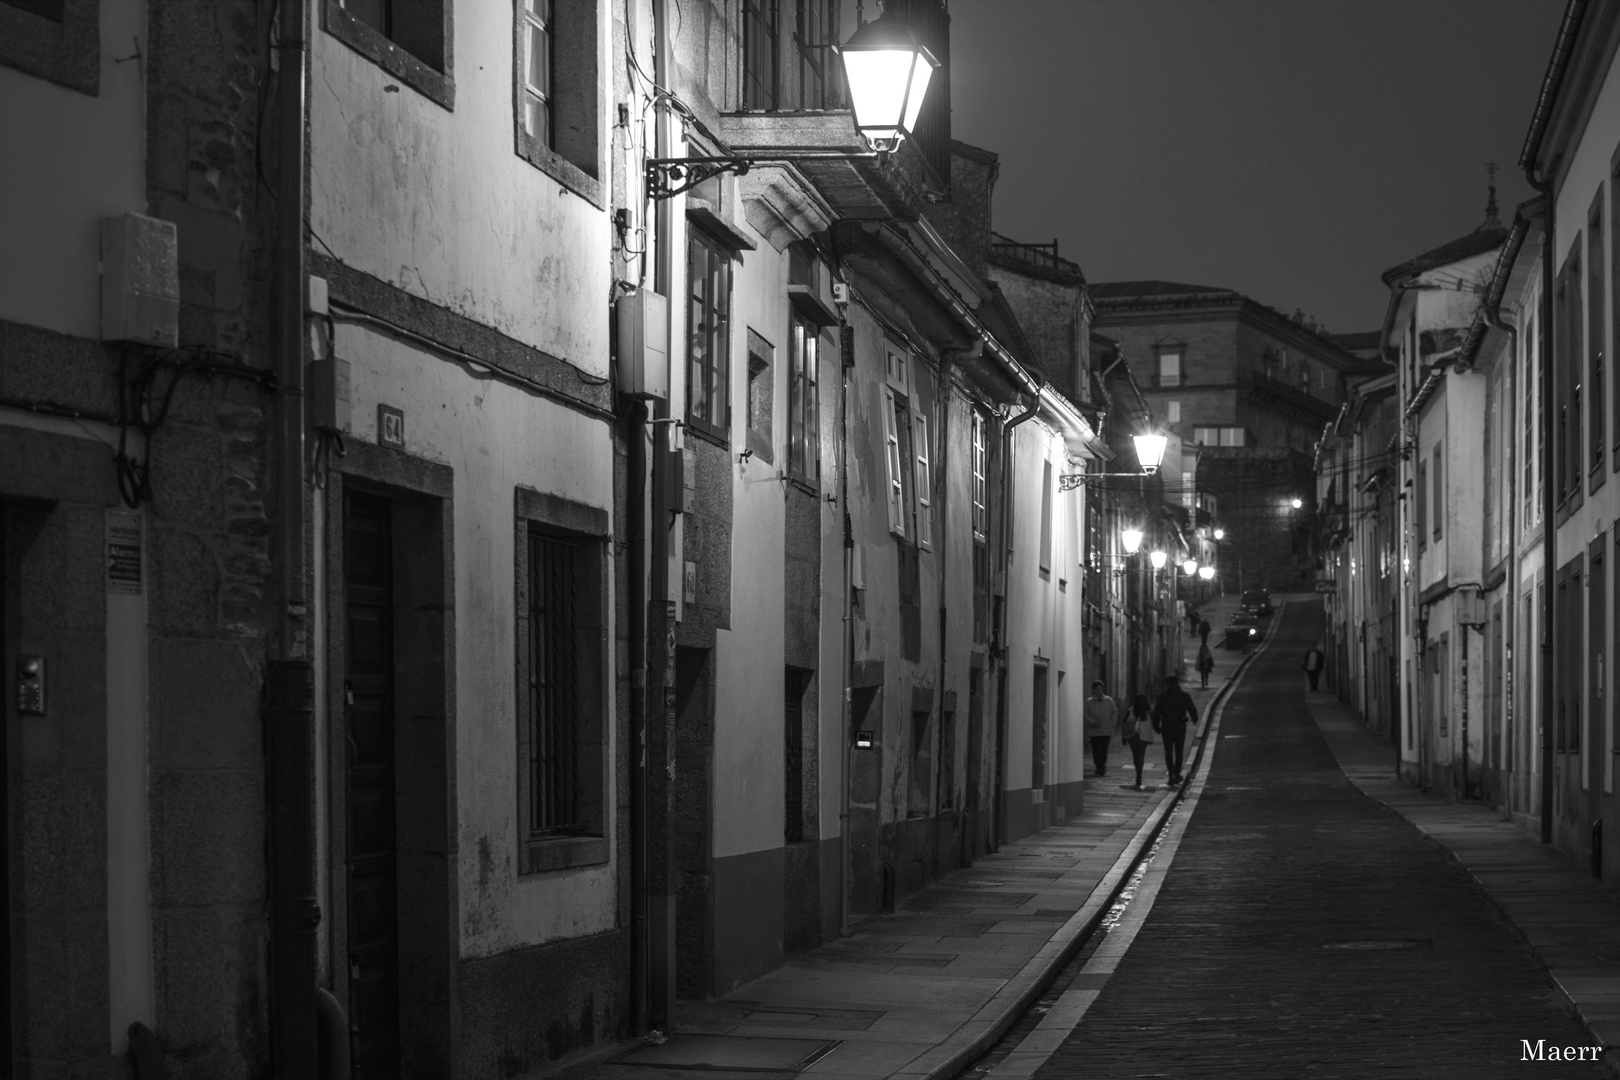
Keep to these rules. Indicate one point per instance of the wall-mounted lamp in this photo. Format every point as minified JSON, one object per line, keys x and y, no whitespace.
{"x":1158,"y":559}
{"x":1132,"y":539}
{"x":1296,"y":503}
{"x":1206,"y":572}
{"x":1220,"y":534}
{"x":1149,"y":452}
{"x":887,"y":73}
{"x":1189,"y":567}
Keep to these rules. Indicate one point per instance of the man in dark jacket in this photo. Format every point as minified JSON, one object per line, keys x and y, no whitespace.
{"x":1171,"y":714}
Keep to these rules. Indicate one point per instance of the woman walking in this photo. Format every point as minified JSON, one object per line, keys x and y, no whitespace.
{"x":1136,"y":728}
{"x":1205,"y":665}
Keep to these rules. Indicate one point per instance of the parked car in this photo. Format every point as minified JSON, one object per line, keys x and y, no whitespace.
{"x":1243,"y":630}
{"x":1257,"y":601}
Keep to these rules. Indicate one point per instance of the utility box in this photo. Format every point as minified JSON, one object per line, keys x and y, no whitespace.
{"x":644,"y":344}
{"x":140,"y":280}
{"x":330,"y":404}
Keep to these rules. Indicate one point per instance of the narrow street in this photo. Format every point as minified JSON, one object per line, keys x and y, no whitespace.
{"x":1304,"y":929}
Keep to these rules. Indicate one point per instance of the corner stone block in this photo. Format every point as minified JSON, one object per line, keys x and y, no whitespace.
{"x":208,"y":838}
{"x":184,"y":600}
{"x":188,"y":480}
{"x":205,"y":700}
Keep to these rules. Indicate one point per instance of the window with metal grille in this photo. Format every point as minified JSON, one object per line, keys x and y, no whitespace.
{"x":761,"y":35}
{"x":708,"y":320}
{"x":981,"y":513}
{"x":554,"y":683}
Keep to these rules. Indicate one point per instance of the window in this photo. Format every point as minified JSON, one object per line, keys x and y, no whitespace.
{"x":409,"y":39}
{"x":536,"y":37}
{"x":1595,"y":337}
{"x":555,"y":92}
{"x":54,"y":41}
{"x":1442,"y":680}
{"x":1422,"y":503}
{"x":804,"y":402}
{"x":1170,"y":368}
{"x":818,"y":75}
{"x":897,"y":451}
{"x":1046,"y":517}
{"x":1037,"y":748}
{"x":1172,"y":411}
{"x":1614,"y":289}
{"x":925,"y":502}
{"x":1220,"y":436}
{"x":761,"y":396}
{"x":918,"y":794}
{"x":981,"y":512}
{"x":760,"y":28}
{"x":562,"y":734}
{"x":1528,"y":347}
{"x":1438,"y":481}
{"x":708,"y":319}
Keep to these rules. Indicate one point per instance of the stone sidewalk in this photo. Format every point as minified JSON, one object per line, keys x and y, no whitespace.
{"x":1571,"y":922}
{"x":924,"y":991}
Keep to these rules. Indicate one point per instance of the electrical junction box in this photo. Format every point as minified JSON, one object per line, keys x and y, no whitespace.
{"x":140,"y":280}
{"x":644,"y":344}
{"x":330,"y":405}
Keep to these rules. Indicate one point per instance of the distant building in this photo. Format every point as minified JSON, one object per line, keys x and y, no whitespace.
{"x":1248,"y":392}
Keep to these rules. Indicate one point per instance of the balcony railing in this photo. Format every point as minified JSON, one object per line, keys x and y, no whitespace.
{"x":1042,"y":256}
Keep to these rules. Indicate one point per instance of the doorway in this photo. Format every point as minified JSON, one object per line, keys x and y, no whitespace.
{"x":371,"y":851}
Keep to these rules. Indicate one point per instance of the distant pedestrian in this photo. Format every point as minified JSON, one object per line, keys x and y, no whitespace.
{"x":1102,"y":720}
{"x":1192,"y":620}
{"x":1205,"y":665}
{"x":1203,"y":631}
{"x":1136,"y":729}
{"x":1314,"y":662}
{"x":1171,"y":714}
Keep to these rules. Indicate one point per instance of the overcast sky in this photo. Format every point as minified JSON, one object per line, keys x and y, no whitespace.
{"x":1290,"y":149}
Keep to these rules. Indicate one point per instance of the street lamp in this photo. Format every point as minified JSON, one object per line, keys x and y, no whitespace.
{"x":1206,"y":572}
{"x":1296,"y":503}
{"x":1132,"y":539}
{"x":1149,"y":452}
{"x":887,"y":72}
{"x":1220,"y":534}
{"x":1189,"y":567}
{"x":1158,"y":559}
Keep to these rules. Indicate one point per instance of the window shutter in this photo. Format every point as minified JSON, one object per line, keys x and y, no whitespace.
{"x":925,"y":516}
{"x":891,"y":458}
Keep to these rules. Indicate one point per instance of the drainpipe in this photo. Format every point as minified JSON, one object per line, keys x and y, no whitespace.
{"x":846,"y":360}
{"x":289,"y":683}
{"x":1528,"y":162}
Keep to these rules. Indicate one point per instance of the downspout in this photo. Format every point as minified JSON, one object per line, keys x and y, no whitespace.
{"x":1528,"y":162}
{"x":289,"y":684}
{"x":846,"y":360}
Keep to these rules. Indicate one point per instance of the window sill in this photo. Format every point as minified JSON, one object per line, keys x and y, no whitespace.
{"x":708,"y":434}
{"x":563,"y":853}
{"x":806,"y":486}
{"x":559,"y":168}
{"x":436,"y":86}
{"x":67,"y":53}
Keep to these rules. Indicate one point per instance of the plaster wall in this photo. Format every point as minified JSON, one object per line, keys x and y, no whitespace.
{"x":748,"y":749}
{"x":96,"y":150}
{"x":495,"y":437}
{"x":439,"y":204}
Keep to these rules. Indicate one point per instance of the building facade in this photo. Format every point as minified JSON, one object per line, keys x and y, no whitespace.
{"x":1248,"y":392}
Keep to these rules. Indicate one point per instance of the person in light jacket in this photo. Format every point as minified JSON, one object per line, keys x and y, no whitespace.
{"x":1102,"y":719}
{"x":1136,"y":729}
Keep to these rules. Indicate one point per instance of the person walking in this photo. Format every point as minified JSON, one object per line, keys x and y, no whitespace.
{"x":1314,"y":662}
{"x":1192,"y":620}
{"x":1136,"y":730}
{"x":1203,"y":631}
{"x":1171,"y":714}
{"x":1205,"y":665}
{"x":1102,"y":720}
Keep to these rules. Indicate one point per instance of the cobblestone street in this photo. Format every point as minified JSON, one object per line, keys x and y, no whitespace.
{"x":1305,"y":929}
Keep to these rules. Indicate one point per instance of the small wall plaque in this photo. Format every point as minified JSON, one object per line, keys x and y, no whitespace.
{"x":390,"y":427}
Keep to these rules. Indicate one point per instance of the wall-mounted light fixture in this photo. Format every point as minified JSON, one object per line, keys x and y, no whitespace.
{"x":1189,"y":567}
{"x":1132,"y":540}
{"x":1158,"y":559}
{"x":887,"y":73}
{"x":1220,"y":533}
{"x":1206,"y":572}
{"x":1149,"y":452}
